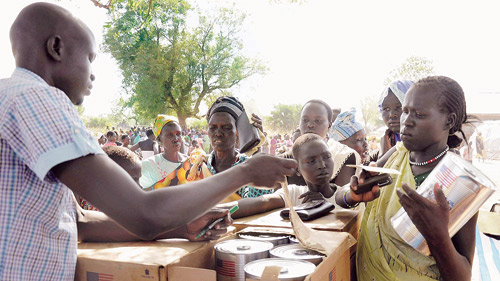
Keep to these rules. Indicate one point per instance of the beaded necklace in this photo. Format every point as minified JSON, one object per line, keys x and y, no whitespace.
{"x":431,"y":160}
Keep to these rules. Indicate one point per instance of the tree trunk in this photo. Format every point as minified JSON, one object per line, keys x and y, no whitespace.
{"x":182,"y":121}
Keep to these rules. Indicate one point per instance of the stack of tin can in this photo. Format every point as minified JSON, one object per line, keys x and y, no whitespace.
{"x":239,"y":259}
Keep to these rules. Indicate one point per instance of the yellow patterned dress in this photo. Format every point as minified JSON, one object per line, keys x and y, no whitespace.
{"x":381,"y":253}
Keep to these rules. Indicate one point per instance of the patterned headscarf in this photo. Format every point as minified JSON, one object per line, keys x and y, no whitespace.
{"x":161,"y":121}
{"x":230,"y":105}
{"x":345,"y":125}
{"x":398,"y":88}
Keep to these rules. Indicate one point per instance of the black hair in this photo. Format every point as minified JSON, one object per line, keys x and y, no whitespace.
{"x":110,"y":134}
{"x":451,"y":99}
{"x":124,"y":137}
{"x":300,"y":141}
{"x":121,"y":155}
{"x":327,"y":107}
{"x":149,"y":132}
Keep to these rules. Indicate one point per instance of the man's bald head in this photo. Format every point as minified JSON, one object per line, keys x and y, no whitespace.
{"x":49,"y":41}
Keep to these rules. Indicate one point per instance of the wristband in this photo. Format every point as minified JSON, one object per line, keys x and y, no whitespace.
{"x":347,"y":204}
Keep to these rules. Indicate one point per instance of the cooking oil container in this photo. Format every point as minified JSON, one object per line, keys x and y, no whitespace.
{"x":275,"y":239}
{"x":296,"y":252}
{"x":232,"y":255}
{"x":291,"y":270}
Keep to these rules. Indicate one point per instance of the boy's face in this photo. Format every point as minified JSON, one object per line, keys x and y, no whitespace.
{"x":315,"y":162}
{"x":74,"y":75}
{"x":126,"y":141}
{"x":314,"y":119}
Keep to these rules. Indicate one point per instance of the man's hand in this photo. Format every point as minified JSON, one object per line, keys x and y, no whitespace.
{"x":266,"y":170}
{"x":196,"y":226}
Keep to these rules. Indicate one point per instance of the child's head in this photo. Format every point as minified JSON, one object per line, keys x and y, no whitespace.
{"x":128,"y":160}
{"x":125,"y":140}
{"x":314,"y":159}
{"x":348,"y":131}
{"x":47,"y":40}
{"x":111,"y":136}
{"x":194,"y":143}
{"x":295,"y":135}
{"x":433,"y":111}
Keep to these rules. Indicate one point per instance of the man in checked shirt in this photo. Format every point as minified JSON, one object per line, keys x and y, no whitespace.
{"x":46,"y":153}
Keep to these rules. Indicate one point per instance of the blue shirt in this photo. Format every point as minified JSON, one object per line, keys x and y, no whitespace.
{"x":39,"y":129}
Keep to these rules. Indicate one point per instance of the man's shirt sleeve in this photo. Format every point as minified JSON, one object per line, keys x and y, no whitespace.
{"x":45,"y":130}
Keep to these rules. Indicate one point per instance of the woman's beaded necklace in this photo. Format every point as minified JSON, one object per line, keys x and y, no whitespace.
{"x":431,"y":160}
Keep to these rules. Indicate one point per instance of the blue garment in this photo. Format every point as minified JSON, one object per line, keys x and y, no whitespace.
{"x":39,"y":129}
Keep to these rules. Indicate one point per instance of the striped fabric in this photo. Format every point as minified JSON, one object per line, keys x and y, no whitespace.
{"x":39,"y":128}
{"x":486,"y":264}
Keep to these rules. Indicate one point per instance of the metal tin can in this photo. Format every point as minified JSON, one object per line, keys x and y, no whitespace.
{"x":291,"y":270}
{"x":296,"y":252}
{"x":275,"y":239}
{"x":293,"y":240}
{"x":232,"y":255}
{"x":466,"y":189}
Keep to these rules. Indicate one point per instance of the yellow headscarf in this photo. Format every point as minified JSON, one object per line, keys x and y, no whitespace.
{"x":161,"y":121}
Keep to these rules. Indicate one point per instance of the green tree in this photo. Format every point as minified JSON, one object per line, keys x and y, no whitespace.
{"x":414,"y":68}
{"x":284,"y":118}
{"x":370,"y":112}
{"x":80,"y":109}
{"x":169,"y":66}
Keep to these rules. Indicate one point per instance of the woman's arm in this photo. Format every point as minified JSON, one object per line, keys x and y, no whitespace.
{"x":453,"y":256}
{"x":346,"y":173}
{"x":257,"y":205}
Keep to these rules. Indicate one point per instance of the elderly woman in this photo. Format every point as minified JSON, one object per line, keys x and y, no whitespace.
{"x":390,"y":106}
{"x":223,"y":134}
{"x":170,"y":167}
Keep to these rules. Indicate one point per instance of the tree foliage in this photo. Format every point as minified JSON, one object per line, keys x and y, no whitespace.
{"x":170,"y":66}
{"x":370,"y":112}
{"x":414,"y":68}
{"x":284,"y":118}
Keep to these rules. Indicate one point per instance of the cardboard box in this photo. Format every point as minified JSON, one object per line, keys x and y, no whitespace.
{"x":177,"y":259}
{"x":334,"y":267}
{"x":342,"y":220}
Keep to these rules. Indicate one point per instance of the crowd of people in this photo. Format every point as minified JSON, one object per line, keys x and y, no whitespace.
{"x":59,"y":184}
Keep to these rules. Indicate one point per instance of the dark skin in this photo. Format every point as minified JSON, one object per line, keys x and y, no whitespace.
{"x":391,"y":113}
{"x":314,"y":119}
{"x":315,"y":165}
{"x":48,"y":41}
{"x":424,"y":132}
{"x":222,"y":133}
{"x":358,"y":142}
{"x":171,"y":139}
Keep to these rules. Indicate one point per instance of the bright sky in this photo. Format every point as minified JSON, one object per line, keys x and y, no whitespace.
{"x":338,"y":51}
